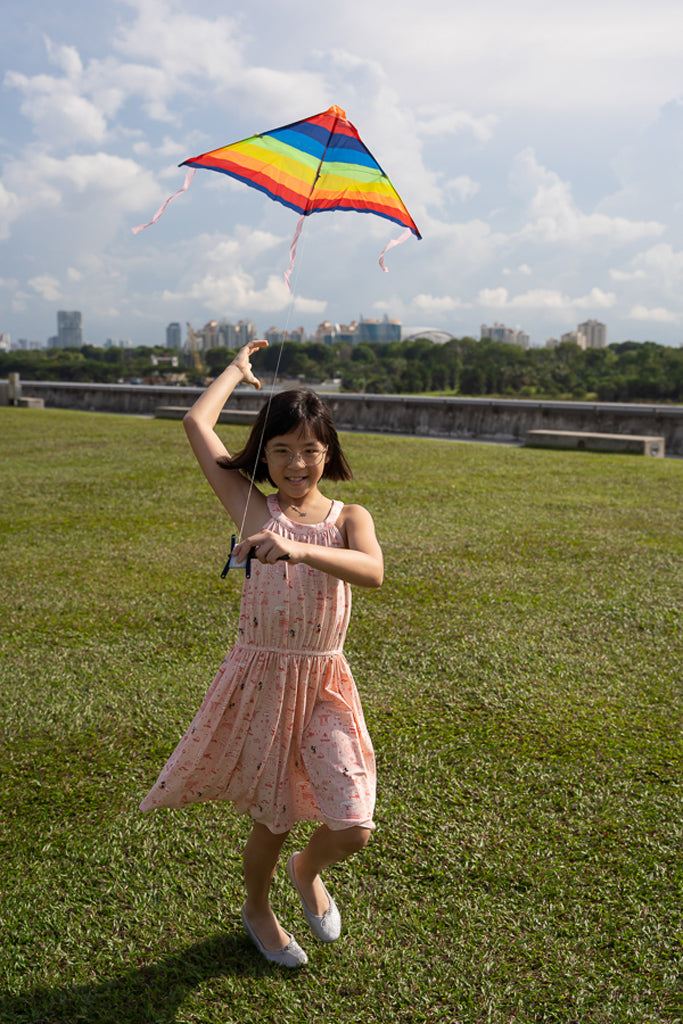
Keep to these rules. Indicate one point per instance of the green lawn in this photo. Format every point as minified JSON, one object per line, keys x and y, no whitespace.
{"x":521,"y":672}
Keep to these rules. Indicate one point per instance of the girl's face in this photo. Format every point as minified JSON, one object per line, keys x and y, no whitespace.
{"x":296,"y":462}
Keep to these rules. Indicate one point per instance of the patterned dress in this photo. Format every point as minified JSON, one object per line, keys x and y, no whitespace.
{"x":281,"y":731}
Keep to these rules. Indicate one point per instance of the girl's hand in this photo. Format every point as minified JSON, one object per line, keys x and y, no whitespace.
{"x":243,"y":361}
{"x":268,"y":548}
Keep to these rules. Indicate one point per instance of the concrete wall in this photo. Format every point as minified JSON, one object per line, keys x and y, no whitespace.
{"x":480,"y":419}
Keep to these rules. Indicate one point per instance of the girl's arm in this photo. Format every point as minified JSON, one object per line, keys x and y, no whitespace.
{"x":360,"y":562}
{"x":229,"y":484}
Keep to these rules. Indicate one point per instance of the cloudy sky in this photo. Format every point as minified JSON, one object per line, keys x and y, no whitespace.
{"x":538,"y":146}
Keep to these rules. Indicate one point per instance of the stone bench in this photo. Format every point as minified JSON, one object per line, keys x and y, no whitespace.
{"x":580,"y":440}
{"x":30,"y":403}
{"x":237,"y":416}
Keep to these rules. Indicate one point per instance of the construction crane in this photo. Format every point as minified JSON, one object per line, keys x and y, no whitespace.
{"x":195,"y":355}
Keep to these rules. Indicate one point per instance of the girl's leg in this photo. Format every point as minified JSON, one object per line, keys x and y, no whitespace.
{"x":326,"y":846}
{"x":260,"y":860}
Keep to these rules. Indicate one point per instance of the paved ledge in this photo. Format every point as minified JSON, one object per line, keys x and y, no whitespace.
{"x":581,"y":440}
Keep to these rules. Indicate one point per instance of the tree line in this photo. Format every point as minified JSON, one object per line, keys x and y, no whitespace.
{"x":625,"y":372}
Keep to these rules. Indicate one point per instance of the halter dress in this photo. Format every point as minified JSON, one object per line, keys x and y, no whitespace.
{"x":281,"y":731}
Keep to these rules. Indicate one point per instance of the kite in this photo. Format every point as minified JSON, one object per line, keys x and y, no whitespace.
{"x":311,"y":166}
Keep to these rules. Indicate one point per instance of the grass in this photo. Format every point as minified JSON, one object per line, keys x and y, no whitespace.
{"x":521,"y":676}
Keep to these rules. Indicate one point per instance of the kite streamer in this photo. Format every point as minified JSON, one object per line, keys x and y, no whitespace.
{"x":314,"y":165}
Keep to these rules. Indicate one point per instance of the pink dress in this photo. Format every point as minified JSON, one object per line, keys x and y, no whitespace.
{"x":281,"y":731}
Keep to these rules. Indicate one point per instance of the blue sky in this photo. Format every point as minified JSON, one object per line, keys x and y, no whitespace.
{"x":539,"y":148}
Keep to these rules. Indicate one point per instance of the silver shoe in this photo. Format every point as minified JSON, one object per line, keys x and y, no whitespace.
{"x":291,"y":955}
{"x":327,"y":927}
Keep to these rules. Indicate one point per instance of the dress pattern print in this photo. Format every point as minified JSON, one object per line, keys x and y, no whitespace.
{"x":281,"y":731}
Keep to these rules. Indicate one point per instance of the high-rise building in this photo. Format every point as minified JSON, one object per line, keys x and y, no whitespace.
{"x":509,"y":335}
{"x":577,"y":337}
{"x":384,"y":330}
{"x":173,"y":336}
{"x":595,"y":333}
{"x":69,"y":329}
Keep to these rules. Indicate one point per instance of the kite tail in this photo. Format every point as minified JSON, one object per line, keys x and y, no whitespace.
{"x":188,"y":178}
{"x":292,"y":250}
{"x":390,"y":245}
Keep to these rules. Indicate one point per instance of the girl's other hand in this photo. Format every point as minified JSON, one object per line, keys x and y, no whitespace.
{"x":243,"y":361}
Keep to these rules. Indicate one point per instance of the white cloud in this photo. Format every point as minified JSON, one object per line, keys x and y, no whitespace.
{"x":44,"y":182}
{"x":47,"y":287}
{"x":538,"y":299}
{"x":237,"y":291}
{"x":555,"y":218}
{"x":523,"y":269}
{"x":463,"y":186}
{"x":627,"y":275}
{"x":663,"y":264}
{"x":437,"y":304}
{"x":59,"y":114}
{"x":10,"y":209}
{"x":657,"y":315}
{"x":453,"y":122}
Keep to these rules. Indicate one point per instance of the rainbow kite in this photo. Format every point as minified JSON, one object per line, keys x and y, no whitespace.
{"x":313,"y":165}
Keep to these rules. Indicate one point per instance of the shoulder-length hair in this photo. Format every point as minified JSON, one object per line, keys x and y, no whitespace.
{"x":289,"y":411}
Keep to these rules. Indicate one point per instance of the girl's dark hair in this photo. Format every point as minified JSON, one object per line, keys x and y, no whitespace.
{"x":286,"y":412}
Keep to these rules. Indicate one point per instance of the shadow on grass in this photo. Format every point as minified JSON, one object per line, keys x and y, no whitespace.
{"x":151,"y":994}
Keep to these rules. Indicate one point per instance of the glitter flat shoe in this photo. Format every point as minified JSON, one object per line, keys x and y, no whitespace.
{"x":327,"y":927}
{"x":291,"y":955}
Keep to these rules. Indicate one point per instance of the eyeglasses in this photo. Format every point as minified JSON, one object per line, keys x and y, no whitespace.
{"x":285,"y":456}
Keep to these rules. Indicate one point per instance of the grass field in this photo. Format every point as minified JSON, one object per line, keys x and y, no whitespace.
{"x":521,"y":673}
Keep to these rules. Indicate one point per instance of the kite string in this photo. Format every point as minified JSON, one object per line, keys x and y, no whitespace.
{"x":290,"y":309}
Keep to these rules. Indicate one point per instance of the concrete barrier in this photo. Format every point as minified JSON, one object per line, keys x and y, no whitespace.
{"x":176,"y":412}
{"x":582,"y":440}
{"x":474,"y":419}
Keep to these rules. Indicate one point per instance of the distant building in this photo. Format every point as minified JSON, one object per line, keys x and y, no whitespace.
{"x":327,"y":332}
{"x":222,"y":334}
{"x":433,"y":334}
{"x":277,"y":336}
{"x":174,"y":336}
{"x":577,"y":337}
{"x":595,"y":334}
{"x":245,"y":331}
{"x":69,"y":329}
{"x":508,"y":335}
{"x":118,"y":343}
{"x":5,"y":342}
{"x":384,"y":330}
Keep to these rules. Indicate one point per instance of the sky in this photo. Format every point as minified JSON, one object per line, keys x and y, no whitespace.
{"x":538,"y":147}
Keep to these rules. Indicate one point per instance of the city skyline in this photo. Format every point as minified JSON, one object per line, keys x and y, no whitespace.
{"x":216,"y":333}
{"x":537,"y":152}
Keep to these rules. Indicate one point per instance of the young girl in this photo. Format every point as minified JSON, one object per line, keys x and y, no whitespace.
{"x":281,"y":732}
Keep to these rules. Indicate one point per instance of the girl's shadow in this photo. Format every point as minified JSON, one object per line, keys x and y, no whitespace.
{"x":148,"y":995}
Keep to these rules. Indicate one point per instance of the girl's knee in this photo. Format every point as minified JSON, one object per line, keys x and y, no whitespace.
{"x":355,"y":838}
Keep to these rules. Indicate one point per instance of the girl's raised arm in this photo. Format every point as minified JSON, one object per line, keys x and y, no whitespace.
{"x":230,"y":486}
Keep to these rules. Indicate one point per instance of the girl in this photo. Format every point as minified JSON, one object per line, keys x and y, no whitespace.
{"x":281,"y":732}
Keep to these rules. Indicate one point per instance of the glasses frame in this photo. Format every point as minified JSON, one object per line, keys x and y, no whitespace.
{"x":287,"y":459}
